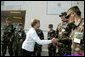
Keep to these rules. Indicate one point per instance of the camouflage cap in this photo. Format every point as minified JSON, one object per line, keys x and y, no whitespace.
{"x":74,"y":9}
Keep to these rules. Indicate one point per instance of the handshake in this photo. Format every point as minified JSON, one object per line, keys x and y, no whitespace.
{"x":54,"y":41}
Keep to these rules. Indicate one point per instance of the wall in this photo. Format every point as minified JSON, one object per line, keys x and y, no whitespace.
{"x":38,"y":10}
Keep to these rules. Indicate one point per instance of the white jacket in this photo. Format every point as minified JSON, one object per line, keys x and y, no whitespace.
{"x":30,"y":40}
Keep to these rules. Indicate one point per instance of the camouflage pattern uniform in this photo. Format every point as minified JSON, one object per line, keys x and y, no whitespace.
{"x":7,"y":39}
{"x":77,"y":29}
{"x":63,"y":39}
{"x":19,"y":38}
{"x":51,"y":47}
{"x":78,"y":33}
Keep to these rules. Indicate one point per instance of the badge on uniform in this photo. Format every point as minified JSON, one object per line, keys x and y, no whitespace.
{"x":77,"y":40}
{"x":78,"y":36}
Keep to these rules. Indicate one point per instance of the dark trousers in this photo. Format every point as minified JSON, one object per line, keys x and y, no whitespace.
{"x":4,"y":48}
{"x":37,"y":51}
{"x":17,"y":50}
{"x":51,"y":50}
{"x":27,"y":53}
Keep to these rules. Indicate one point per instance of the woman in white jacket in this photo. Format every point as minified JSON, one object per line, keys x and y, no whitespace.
{"x":32,"y":37}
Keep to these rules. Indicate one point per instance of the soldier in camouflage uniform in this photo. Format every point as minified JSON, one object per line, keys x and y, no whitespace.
{"x":51,"y":47}
{"x":38,"y":48}
{"x":63,"y":36}
{"x":19,"y":38}
{"x":8,"y":38}
{"x":77,"y":31}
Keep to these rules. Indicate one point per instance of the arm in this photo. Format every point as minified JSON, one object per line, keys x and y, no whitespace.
{"x":39,"y":41}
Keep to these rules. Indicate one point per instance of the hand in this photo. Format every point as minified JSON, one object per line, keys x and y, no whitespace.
{"x":54,"y":40}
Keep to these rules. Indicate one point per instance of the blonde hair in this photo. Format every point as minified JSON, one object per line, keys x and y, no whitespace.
{"x":34,"y":22}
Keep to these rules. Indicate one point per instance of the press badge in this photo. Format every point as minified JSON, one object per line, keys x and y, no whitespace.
{"x":77,"y":37}
{"x":77,"y":40}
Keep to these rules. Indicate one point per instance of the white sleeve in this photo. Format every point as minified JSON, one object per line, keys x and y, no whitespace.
{"x":39,"y":41}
